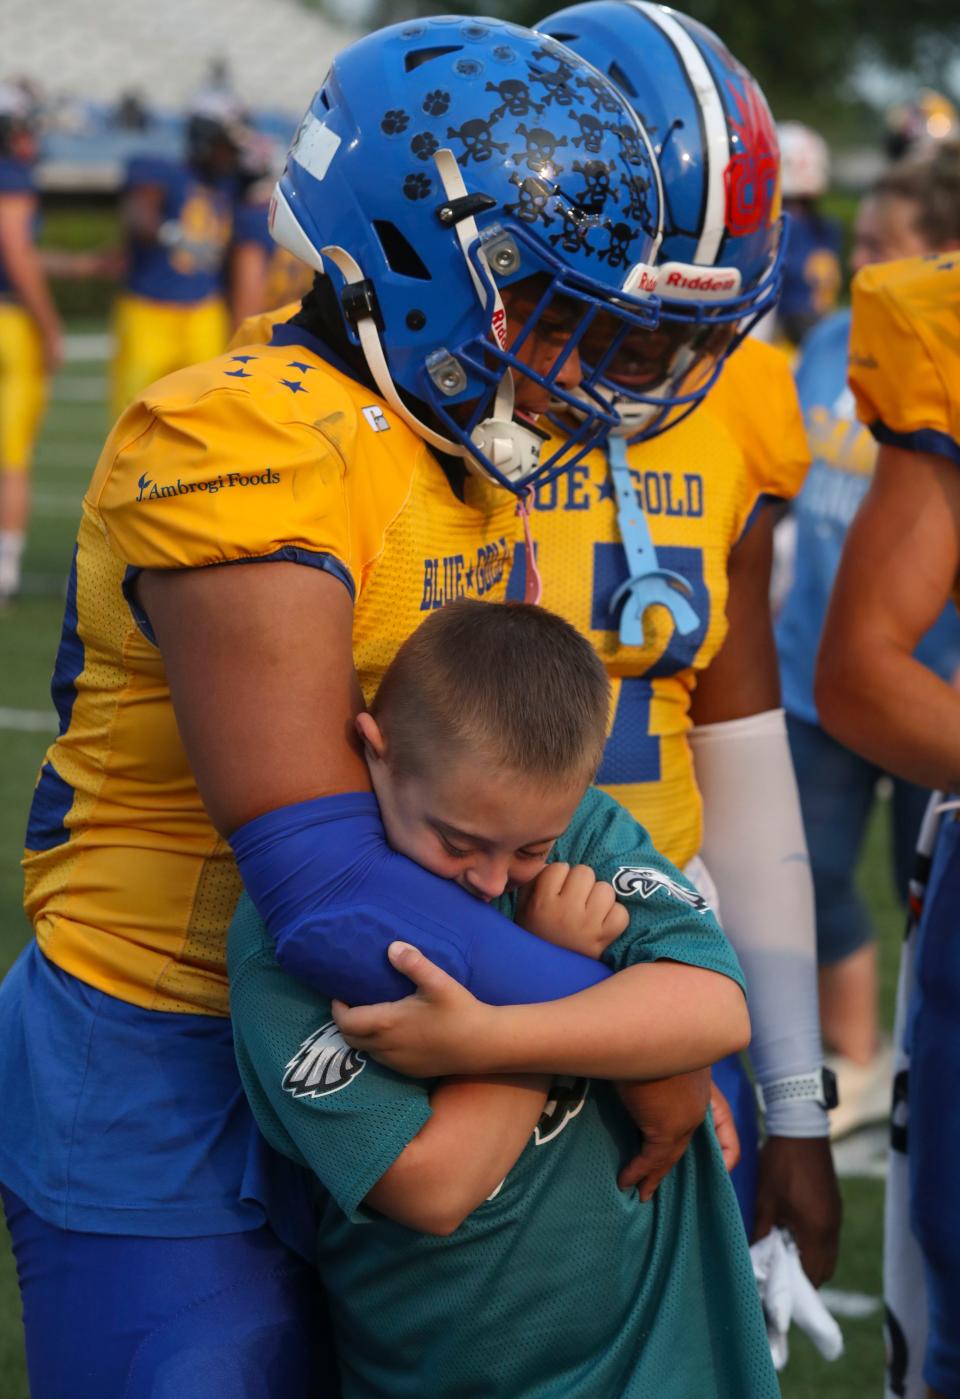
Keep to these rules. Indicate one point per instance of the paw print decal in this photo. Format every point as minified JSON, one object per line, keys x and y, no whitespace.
{"x":424,"y":145}
{"x":394,"y":122}
{"x":417,"y":186}
{"x":436,"y":103}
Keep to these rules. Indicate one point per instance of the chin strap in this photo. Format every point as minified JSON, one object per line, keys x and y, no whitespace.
{"x":648,"y":583}
{"x":533,"y":583}
{"x":512,"y":448}
{"x":373,"y":353}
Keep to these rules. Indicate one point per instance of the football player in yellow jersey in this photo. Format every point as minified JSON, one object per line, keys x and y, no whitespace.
{"x":263,"y":275}
{"x":901,"y":564}
{"x":178,"y":219}
{"x":661,"y":553}
{"x":30,"y":331}
{"x":206,"y":710}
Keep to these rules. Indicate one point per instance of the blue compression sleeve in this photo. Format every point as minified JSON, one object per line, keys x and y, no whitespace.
{"x":334,"y":896}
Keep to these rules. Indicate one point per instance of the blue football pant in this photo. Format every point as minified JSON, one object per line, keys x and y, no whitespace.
{"x":933,"y":1037}
{"x":106,"y":1316}
{"x":734,"y":1083}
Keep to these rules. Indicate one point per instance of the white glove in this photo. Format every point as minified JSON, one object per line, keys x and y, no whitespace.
{"x":787,"y":1295}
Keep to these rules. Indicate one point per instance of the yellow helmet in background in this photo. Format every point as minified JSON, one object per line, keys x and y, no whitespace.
{"x":920,"y":123}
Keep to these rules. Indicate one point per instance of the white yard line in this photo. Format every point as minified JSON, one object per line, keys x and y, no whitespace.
{"x":855,"y":1305}
{"x":88,"y":346}
{"x":29,"y":720}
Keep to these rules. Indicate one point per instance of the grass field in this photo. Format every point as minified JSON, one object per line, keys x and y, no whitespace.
{"x":70,"y":442}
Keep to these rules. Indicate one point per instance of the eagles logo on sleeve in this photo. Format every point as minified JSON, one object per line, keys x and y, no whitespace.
{"x":567,"y":1097}
{"x":323,"y":1064}
{"x":631,"y":879}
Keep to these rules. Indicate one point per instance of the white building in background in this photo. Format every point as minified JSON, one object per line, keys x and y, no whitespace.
{"x":276,"y":51}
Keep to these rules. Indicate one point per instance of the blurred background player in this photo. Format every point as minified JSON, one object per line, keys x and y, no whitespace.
{"x":913,"y":127}
{"x":900,"y":566}
{"x":913,"y":208}
{"x":31,"y":342}
{"x":262,"y":275}
{"x":178,"y":221}
{"x":811,"y":271}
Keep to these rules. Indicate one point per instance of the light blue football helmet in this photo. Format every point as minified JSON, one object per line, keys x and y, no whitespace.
{"x":441,"y":161}
{"x":720,"y":259}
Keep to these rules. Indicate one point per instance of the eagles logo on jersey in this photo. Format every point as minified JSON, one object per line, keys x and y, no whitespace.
{"x":323,"y":1064}
{"x":630,"y":880}
{"x":567,"y":1097}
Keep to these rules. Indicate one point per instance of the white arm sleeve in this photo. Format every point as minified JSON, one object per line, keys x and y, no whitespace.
{"x":756,"y":852}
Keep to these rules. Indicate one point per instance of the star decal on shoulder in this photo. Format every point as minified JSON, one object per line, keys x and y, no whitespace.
{"x":293,"y":385}
{"x":240,"y":373}
{"x":244,"y":359}
{"x":303,"y":368}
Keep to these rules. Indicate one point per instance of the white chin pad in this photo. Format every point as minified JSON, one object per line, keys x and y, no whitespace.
{"x":513,"y":449}
{"x":633,"y":416}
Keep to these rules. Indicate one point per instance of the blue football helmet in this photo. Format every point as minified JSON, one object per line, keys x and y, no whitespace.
{"x":442,"y":161}
{"x":720,"y":259}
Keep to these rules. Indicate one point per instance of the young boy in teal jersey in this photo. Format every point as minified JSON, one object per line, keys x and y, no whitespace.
{"x":472,"y":1235}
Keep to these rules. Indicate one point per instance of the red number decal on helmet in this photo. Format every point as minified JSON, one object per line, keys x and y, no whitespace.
{"x":751,"y":175}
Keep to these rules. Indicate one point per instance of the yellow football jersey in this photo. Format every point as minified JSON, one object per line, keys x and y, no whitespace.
{"x":905,"y":352}
{"x":266,"y":452}
{"x":698,"y":485}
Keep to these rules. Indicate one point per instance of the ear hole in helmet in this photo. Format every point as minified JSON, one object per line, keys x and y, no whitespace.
{"x":418,"y":57}
{"x":617,"y":75}
{"x":324,"y":98}
{"x":401,"y":257}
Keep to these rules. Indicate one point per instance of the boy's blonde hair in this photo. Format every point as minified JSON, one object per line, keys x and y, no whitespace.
{"x":512,"y":685}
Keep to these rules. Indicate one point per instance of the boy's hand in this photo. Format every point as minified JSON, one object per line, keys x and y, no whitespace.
{"x":569,"y":906}
{"x":725,"y":1128}
{"x":431,"y":1034}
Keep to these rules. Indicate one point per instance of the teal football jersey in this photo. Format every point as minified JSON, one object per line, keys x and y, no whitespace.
{"x":560,"y":1283}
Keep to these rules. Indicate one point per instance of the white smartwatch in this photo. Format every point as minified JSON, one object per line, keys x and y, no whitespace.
{"x":818,"y":1087}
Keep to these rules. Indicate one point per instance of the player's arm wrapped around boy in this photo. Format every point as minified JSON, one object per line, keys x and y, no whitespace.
{"x":676,"y":1005}
{"x":334,"y":896}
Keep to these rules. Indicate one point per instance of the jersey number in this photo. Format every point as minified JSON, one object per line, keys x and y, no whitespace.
{"x":632,"y":753}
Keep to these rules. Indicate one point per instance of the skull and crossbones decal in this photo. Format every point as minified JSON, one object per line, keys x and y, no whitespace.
{"x":476,"y":136}
{"x":542,"y":146}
